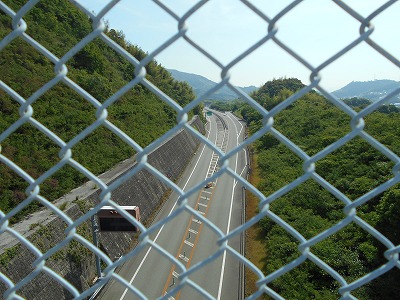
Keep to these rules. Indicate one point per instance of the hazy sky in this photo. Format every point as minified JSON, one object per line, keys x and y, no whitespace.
{"x":314,"y":29}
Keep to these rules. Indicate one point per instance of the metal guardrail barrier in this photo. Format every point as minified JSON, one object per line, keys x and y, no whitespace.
{"x":19,"y":28}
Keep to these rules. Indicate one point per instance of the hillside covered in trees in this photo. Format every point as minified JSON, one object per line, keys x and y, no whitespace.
{"x":356,"y":168}
{"x":99,"y":70}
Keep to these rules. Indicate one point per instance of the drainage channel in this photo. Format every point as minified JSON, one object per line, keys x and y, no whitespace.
{"x":193,"y":230}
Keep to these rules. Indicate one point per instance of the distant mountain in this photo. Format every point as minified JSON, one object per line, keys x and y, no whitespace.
{"x":201,"y":84}
{"x":371,"y":90}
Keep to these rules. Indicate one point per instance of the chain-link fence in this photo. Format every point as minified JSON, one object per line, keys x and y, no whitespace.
{"x":72,"y":225}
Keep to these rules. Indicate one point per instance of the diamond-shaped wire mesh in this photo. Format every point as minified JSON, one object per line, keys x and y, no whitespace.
{"x":72,"y":230}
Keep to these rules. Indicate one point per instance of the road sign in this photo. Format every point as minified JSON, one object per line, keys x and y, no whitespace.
{"x":112,"y":220}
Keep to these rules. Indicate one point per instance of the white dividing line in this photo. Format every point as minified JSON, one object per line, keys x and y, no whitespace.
{"x":162,"y":227}
{"x":234,"y":118}
{"x":244,"y":149}
{"x":229,"y":221}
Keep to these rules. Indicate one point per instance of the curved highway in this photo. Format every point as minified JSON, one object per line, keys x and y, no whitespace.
{"x":189,"y":239}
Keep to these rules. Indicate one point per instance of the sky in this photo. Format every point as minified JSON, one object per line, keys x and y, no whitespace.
{"x":315,"y":29}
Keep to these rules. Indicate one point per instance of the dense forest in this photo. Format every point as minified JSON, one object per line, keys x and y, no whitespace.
{"x":313,"y":123}
{"x":99,"y":70}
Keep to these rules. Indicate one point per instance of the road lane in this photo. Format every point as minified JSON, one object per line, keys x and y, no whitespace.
{"x":141,"y":267}
{"x":220,"y":277}
{"x":156,"y":266}
{"x":150,"y":271}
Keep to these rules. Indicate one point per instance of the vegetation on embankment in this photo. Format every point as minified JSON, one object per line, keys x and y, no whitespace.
{"x":97,"y":68}
{"x":356,"y":168}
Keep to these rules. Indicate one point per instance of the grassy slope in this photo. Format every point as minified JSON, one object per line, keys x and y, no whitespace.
{"x":98,"y":69}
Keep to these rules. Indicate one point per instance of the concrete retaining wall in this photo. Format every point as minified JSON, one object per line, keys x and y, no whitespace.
{"x":74,"y":262}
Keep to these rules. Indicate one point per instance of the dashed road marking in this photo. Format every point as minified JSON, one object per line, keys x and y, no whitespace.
{"x":213,"y":167}
{"x":189,"y":243}
{"x":184,"y":258}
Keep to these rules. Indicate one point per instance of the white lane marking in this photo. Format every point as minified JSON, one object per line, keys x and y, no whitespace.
{"x":196,"y":221}
{"x":193,"y":231}
{"x":189,"y":243}
{"x":202,"y":204}
{"x":244,"y":149}
{"x":229,"y":222}
{"x":184,"y":258}
{"x":162,"y":227}
{"x":234,"y":118}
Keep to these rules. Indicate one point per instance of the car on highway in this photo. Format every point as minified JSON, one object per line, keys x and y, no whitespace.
{"x":208,"y":185}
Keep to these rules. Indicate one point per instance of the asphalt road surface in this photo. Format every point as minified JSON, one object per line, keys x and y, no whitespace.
{"x":187,"y":237}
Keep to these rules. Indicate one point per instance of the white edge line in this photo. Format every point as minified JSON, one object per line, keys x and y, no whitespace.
{"x":229,"y":220}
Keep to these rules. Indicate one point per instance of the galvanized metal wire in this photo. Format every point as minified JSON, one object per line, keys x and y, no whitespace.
{"x":366,"y":27}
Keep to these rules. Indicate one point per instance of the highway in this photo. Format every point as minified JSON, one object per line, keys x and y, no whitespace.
{"x":188,"y":238}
